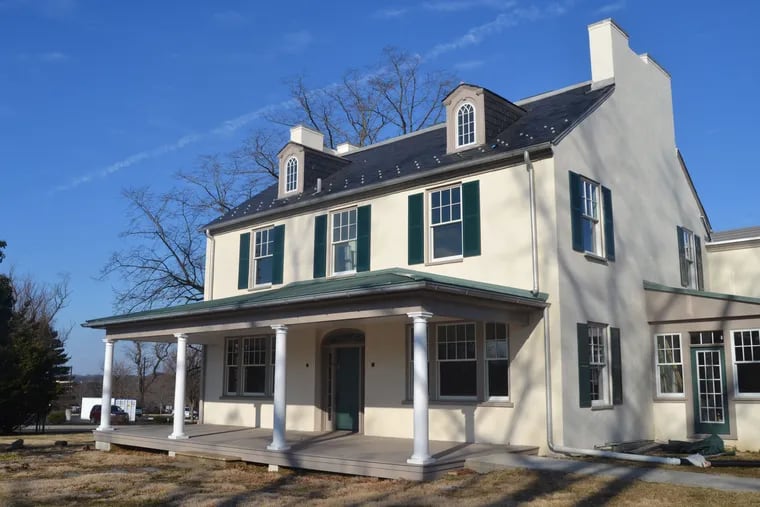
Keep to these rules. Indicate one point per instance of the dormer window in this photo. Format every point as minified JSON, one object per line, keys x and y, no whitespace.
{"x":465,"y":125}
{"x":291,"y":174}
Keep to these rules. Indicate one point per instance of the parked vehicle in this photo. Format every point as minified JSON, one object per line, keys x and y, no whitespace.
{"x":138,"y":412}
{"x":118,"y":416}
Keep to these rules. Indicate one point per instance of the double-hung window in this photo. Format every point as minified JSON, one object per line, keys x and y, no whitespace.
{"x":262,"y":257}
{"x":457,"y":361}
{"x":599,"y":365}
{"x":690,"y":258}
{"x":497,"y":361}
{"x":446,"y":223}
{"x":669,"y":364}
{"x":291,"y":174}
{"x":249,"y":365}
{"x":465,"y":125}
{"x":344,"y":241}
{"x":747,"y":362}
{"x":591,"y":217}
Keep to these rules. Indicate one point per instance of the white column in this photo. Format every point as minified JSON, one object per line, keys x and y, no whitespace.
{"x":105,"y":401}
{"x":179,"y":388}
{"x":280,"y":358}
{"x":421,"y":454}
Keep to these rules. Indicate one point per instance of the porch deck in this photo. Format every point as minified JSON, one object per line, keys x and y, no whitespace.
{"x":339,"y":452}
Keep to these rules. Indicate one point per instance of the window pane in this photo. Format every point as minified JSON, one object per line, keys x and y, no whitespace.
{"x":498,"y":378}
{"x":344,"y":257}
{"x":588,"y":235}
{"x":748,"y":377}
{"x":255,"y":379}
{"x":496,"y":349}
{"x":447,"y":240}
{"x":263,"y":272}
{"x":671,"y":379}
{"x":458,"y":378}
{"x":232,"y":379}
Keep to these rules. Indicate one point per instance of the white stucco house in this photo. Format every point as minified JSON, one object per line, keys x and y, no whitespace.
{"x":538,"y":272}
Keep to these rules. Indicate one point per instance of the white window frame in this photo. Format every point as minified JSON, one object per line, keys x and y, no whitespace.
{"x":487,"y":360}
{"x":291,"y":175}
{"x":344,"y":239}
{"x":465,"y":130}
{"x":689,"y":253}
{"x":754,"y":351}
{"x":591,"y":214}
{"x":600,"y":360}
{"x":668,"y":349}
{"x":267,"y":355}
{"x":452,"y":207}
{"x":266,"y":252}
{"x":473,"y":359}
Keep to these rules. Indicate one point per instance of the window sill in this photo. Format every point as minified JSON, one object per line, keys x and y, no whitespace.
{"x":592,"y":257}
{"x":342,"y":274}
{"x":447,"y":260}
{"x":747,"y":398}
{"x":260,"y":287}
{"x":245,"y":397}
{"x":602,"y":407}
{"x":468,"y":403}
{"x":670,"y":399}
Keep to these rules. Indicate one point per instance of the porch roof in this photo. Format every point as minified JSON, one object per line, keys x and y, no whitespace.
{"x":326,"y":290}
{"x":677,"y":304}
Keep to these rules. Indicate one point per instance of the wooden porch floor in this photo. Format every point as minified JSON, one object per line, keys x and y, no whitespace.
{"x":340,"y":452}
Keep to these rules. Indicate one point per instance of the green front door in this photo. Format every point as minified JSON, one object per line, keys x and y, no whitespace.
{"x":347,"y":388}
{"x":709,"y":390}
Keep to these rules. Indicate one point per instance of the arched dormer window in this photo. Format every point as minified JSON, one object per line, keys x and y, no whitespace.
{"x":465,"y":125}
{"x":291,"y":174}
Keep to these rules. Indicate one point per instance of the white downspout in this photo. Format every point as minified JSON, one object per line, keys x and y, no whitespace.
{"x":561,"y":449}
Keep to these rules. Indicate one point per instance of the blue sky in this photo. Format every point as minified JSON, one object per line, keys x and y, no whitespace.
{"x":97,"y":96}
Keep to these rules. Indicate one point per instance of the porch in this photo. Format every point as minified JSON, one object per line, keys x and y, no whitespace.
{"x":337,"y":451}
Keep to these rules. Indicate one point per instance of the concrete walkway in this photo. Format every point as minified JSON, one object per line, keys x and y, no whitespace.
{"x":639,"y":473}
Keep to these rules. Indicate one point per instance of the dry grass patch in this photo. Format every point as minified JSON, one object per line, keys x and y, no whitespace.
{"x":76,"y":475}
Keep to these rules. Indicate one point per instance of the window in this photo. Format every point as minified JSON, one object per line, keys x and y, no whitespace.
{"x":446,"y":223}
{"x":690,"y":259}
{"x":599,"y":386}
{"x":591,"y":217}
{"x":747,"y":362}
{"x":706,"y":337}
{"x":497,"y":361}
{"x":249,"y":365}
{"x":344,"y":241}
{"x":669,"y":365}
{"x":291,"y":174}
{"x":262,"y":257}
{"x":465,"y":125}
{"x":457,"y":366}
{"x":600,"y":378}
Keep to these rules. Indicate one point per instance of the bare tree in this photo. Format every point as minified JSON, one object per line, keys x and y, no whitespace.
{"x":146,"y":360}
{"x":163,"y":261}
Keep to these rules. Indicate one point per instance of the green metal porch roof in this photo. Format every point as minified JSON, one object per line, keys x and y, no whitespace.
{"x":325,"y":289}
{"x":700,"y":293}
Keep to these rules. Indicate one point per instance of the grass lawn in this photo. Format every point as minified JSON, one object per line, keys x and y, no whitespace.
{"x":42,"y":474}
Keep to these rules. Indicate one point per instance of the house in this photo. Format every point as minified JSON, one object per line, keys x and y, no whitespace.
{"x":538,"y":272}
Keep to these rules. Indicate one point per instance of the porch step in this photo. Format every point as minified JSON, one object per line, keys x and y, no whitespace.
{"x":209,"y":456}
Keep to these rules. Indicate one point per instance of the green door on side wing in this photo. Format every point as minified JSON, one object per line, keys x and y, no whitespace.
{"x":347,"y":388}
{"x":708,"y":377}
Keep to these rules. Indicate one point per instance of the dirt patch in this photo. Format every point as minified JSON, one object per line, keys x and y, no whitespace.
{"x":42,"y":474}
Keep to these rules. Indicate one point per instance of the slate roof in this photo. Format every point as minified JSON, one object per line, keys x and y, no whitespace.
{"x":736,"y":234}
{"x":323,"y":289}
{"x":547,"y":119}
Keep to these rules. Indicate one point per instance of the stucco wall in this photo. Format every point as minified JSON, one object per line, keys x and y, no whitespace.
{"x":627,"y":145}
{"x":734,"y":268}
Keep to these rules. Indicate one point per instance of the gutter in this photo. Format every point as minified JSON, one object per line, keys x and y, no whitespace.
{"x":395,"y":182}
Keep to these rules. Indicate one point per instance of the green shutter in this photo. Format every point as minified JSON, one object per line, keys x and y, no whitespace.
{"x":584,"y":368}
{"x":609,"y":228}
{"x":617,"y":367}
{"x":416,"y":230}
{"x":471,"y":218}
{"x":698,"y":255}
{"x":576,"y":210}
{"x":244,"y":260}
{"x":682,"y":258}
{"x":278,"y":253}
{"x":320,"y":246}
{"x":363,"y":228}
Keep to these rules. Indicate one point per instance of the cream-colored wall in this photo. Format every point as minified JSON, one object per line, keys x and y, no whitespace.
{"x":628,"y":145}
{"x":670,"y":420}
{"x":734,"y":269}
{"x":747,"y":427}
{"x":505,"y":233}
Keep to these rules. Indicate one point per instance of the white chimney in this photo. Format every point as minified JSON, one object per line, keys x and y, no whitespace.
{"x":344,"y":148}
{"x":608,"y":44}
{"x":307,"y":137}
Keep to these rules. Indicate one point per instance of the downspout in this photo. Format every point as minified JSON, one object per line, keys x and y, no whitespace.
{"x":533,"y":232}
{"x":557,"y":448}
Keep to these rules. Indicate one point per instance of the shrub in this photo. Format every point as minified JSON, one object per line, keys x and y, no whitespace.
{"x":56,"y":417}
